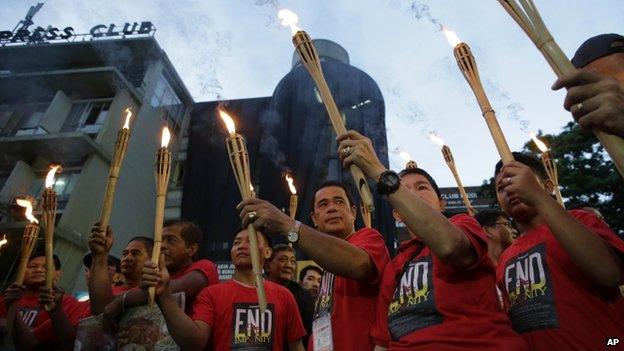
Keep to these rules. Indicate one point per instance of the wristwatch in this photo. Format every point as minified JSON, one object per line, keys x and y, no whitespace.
{"x":388,"y":183}
{"x":293,"y":233}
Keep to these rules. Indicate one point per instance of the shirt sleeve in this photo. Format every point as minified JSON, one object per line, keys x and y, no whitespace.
{"x":74,"y":310}
{"x":600,"y":228}
{"x":379,"y":330}
{"x":208,"y":269}
{"x":475,"y":233}
{"x":373,"y":243}
{"x":204,"y":308}
{"x":294,"y":324}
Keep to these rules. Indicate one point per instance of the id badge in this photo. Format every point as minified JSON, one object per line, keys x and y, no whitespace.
{"x":322,"y":332}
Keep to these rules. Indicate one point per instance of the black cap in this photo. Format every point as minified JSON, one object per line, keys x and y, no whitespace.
{"x":594,"y":48}
{"x":112,"y":261}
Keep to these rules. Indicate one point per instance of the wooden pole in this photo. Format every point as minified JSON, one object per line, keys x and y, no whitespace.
{"x":310,"y":59}
{"x":551,"y":172}
{"x":49,"y":217}
{"x":450,"y":161}
{"x":525,"y":13}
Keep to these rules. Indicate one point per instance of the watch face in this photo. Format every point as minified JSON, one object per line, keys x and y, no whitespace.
{"x":293,"y":236}
{"x":390,"y":180}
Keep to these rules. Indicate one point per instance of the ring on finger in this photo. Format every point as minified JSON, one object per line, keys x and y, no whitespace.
{"x":508,"y":180}
{"x":346,"y":151}
{"x":579,"y":107}
{"x":252,"y":215}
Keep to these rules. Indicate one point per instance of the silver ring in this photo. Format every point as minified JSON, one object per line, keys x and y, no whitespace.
{"x":346,"y":151}
{"x":579,"y":107}
{"x":252,"y":215}
{"x":508,"y":180}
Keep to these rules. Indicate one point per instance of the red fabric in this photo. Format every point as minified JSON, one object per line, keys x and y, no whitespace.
{"x":442,"y":307}
{"x":205,"y":267}
{"x":119,"y":289}
{"x":550,"y":301}
{"x":352,"y":303}
{"x":38,"y":319}
{"x":230,"y":307}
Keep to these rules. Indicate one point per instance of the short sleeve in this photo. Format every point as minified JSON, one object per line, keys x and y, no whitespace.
{"x":600,"y":228}
{"x":475,"y":233}
{"x":75,"y":310}
{"x":294,"y":325}
{"x":379,"y":330}
{"x":373,"y":243}
{"x":204,"y":307}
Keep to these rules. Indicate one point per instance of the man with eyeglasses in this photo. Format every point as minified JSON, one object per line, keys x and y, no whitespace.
{"x":499,"y":231}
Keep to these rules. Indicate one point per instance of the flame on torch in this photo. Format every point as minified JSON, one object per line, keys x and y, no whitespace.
{"x":290,"y":180}
{"x":229,"y":122}
{"x":4,"y":241}
{"x":540,"y":144}
{"x":436,"y":139}
{"x":290,"y":19}
{"x":26,"y":204}
{"x":166,"y":137}
{"x":49,"y":181}
{"x":405,"y":156}
{"x":127,"y":122}
{"x":451,"y":37}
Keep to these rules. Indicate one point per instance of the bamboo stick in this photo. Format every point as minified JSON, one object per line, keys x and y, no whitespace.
{"x":450,"y":161}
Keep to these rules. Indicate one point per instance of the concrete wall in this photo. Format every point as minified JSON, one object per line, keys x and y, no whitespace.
{"x":19,"y":182}
{"x":56,"y":114}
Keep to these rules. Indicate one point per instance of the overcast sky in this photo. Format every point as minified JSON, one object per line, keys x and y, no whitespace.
{"x":235,"y":49}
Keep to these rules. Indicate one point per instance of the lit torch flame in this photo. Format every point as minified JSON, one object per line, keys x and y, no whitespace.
{"x":4,"y":241}
{"x":436,"y":139}
{"x":166,"y":137}
{"x":540,"y":144}
{"x":290,"y":180}
{"x":26,"y":204}
{"x":405,"y":156}
{"x":49,"y":181}
{"x":289,"y":19}
{"x":451,"y":37}
{"x":127,"y":122}
{"x":229,"y":122}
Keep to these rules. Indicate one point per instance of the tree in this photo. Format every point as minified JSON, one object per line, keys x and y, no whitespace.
{"x":587,"y":177}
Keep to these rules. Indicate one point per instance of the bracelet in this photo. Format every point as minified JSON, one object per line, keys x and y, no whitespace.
{"x":123,"y":302}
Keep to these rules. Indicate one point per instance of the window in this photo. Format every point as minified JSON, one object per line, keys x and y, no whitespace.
{"x":87,"y":116}
{"x":30,"y":119}
{"x":165,"y":97}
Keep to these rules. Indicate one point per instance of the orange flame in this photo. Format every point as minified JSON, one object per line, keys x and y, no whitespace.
{"x":451,"y":37}
{"x":166,"y":137}
{"x":405,"y":156}
{"x":3,"y":241}
{"x":290,"y":180}
{"x":229,"y":122}
{"x":127,"y":122}
{"x":436,"y":139}
{"x":290,"y":19}
{"x":49,"y":181}
{"x":26,"y":204}
{"x":540,"y":144}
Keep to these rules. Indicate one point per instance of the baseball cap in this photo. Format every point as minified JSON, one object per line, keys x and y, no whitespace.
{"x":597,"y":47}
{"x":112,"y":261}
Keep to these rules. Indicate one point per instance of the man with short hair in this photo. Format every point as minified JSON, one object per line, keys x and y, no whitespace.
{"x":226,"y":316}
{"x":499,"y":231}
{"x":280,"y":268}
{"x":46,"y":318}
{"x":595,"y":94}
{"x":560,"y":278}
{"x":438,"y":292}
{"x":353,"y":262}
{"x":310,"y":279}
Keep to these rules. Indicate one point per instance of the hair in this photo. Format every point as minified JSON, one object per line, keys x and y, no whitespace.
{"x":190,"y":232}
{"x":536,"y":166}
{"x":41,"y":253}
{"x":266,"y":237}
{"x":487,"y":218}
{"x":148,"y":242}
{"x":307,"y":268}
{"x":329,"y":183}
{"x":279,"y":248}
{"x":423,"y":173}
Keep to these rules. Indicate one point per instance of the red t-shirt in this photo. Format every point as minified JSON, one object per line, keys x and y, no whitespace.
{"x":117,"y":290}
{"x":231,"y":309}
{"x":439,"y":307}
{"x":205,"y":267}
{"x":550,"y":301}
{"x":352,"y":303}
{"x":38,"y":319}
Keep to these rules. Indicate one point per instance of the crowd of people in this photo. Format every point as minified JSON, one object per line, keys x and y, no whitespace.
{"x":530,"y":276}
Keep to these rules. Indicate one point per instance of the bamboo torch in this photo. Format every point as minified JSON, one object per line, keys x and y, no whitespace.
{"x":549,"y":166}
{"x":310,"y":59}
{"x":121,"y":145}
{"x":239,"y":159}
{"x":161,"y":172}
{"x":29,"y":241}
{"x":525,"y":13}
{"x":450,"y":162}
{"x":294,"y":199}
{"x":49,"y":217}
{"x":468,"y":67}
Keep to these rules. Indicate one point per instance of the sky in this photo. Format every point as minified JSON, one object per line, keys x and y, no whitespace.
{"x":230,"y":49}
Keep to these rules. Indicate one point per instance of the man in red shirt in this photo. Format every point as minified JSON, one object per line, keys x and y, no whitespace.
{"x":181,"y":240}
{"x":353,"y":262}
{"x":48,"y":328}
{"x":226,"y":316}
{"x":560,"y":277}
{"x":439,"y":292}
